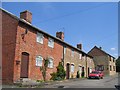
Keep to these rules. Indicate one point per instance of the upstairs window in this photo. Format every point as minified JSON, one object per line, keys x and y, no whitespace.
{"x":39,"y":60}
{"x":40,"y":37}
{"x":65,"y":50}
{"x":72,"y":54}
{"x":51,"y":42}
{"x":50,"y":63}
{"x":113,"y":60}
{"x":80,"y":56}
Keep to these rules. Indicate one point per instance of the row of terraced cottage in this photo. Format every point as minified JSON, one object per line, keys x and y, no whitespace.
{"x":24,"y":48}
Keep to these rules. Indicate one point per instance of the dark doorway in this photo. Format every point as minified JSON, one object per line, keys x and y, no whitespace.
{"x":82,"y":69}
{"x":67,"y":71}
{"x":88,"y":71}
{"x":24,"y":65}
{"x":83,"y":72}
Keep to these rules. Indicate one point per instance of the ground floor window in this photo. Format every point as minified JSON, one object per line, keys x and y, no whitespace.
{"x":100,"y":67}
{"x":110,"y":68}
{"x":50,"y":63}
{"x":72,"y":67}
{"x":39,"y":60}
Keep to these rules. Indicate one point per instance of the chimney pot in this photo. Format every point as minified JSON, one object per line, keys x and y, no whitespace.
{"x":26,"y":15}
{"x":60,"y":35}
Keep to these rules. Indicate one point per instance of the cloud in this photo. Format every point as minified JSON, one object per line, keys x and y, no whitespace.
{"x":113,"y":49}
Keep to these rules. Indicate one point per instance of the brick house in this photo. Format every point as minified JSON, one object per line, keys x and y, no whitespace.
{"x":77,"y":60}
{"x":103,"y":61}
{"x":24,"y":47}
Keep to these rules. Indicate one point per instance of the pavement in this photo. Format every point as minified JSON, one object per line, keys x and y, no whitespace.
{"x":106,"y":82}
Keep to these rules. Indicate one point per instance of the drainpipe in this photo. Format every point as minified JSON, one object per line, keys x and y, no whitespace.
{"x":63,"y":57}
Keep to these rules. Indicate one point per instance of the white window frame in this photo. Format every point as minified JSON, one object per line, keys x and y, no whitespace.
{"x":50,"y":63}
{"x":51,"y":42}
{"x":40,"y":37}
{"x":39,"y":61}
{"x":72,"y":68}
{"x":80,"y":56}
{"x":64,"y":50}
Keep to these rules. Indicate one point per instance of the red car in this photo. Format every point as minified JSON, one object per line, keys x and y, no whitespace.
{"x":96,"y":74}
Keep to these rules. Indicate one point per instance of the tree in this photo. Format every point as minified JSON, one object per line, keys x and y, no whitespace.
{"x":43,"y":68}
{"x":60,"y":74}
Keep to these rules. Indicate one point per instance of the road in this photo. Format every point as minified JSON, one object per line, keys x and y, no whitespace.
{"x":106,"y":82}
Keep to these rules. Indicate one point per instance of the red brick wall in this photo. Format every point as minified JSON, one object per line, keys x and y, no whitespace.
{"x":30,"y":46}
{"x":9,"y":27}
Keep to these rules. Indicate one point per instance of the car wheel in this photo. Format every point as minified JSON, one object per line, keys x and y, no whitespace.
{"x":98,"y":78}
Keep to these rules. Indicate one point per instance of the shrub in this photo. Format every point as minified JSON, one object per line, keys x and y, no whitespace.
{"x":60,"y":74}
{"x":82,"y":74}
{"x":78,"y":74}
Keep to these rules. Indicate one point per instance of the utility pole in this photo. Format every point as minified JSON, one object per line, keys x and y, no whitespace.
{"x":86,"y":66}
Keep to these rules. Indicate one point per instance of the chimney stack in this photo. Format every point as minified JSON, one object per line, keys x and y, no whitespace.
{"x":79,"y":46}
{"x":60,"y":35}
{"x":100,"y":48}
{"x":26,"y":15}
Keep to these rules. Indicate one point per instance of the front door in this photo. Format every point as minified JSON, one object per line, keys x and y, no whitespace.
{"x":24,"y":65}
{"x":67,"y":71}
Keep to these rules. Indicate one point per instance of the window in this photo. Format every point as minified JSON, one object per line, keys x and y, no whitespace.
{"x":110,"y":68}
{"x":114,"y":68}
{"x":65,"y":50}
{"x":72,"y":53}
{"x":51,"y":42}
{"x":40,"y":37}
{"x":39,"y":61}
{"x":72,"y":67}
{"x":113,"y":60}
{"x":100,"y":67}
{"x":80,"y":69}
{"x":50,"y":63}
{"x":80,"y":56}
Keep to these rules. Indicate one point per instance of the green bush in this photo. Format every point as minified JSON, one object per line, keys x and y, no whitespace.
{"x":60,"y":74}
{"x":78,"y":74}
{"x":82,"y":74}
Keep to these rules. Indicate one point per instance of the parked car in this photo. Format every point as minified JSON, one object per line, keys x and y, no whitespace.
{"x":96,"y":74}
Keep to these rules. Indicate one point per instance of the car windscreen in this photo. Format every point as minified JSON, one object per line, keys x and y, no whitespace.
{"x":95,"y":72}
